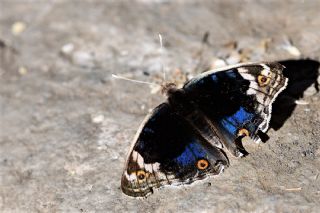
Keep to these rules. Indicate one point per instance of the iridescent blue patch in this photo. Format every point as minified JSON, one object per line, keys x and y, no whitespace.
{"x":192,"y":152}
{"x":186,"y":158}
{"x":234,"y":121}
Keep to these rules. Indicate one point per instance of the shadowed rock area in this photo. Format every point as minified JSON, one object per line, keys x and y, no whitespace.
{"x":66,"y":125}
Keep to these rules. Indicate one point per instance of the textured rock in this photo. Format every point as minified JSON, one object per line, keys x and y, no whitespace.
{"x":66,"y":125}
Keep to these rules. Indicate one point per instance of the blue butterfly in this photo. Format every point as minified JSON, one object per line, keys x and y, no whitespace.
{"x":183,"y":139}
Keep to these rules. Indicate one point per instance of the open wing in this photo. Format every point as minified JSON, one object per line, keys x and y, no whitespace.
{"x":238,"y":99}
{"x":167,"y":151}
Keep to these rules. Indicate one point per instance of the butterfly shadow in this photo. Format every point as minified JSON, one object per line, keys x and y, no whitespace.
{"x":301,"y":74}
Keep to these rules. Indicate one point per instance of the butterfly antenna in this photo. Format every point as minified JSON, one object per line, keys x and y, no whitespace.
{"x":161,"y":59}
{"x":133,"y":80}
{"x":144,"y":82}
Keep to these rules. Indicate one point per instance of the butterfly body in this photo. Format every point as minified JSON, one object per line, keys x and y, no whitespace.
{"x":182,"y":140}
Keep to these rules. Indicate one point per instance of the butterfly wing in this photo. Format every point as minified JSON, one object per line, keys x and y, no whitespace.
{"x":238,"y":100}
{"x":167,"y":151}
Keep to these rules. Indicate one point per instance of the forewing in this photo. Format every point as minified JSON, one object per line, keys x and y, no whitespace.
{"x":167,"y":151}
{"x":238,"y":100}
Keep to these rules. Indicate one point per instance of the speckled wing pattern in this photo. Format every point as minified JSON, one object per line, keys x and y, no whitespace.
{"x":182,"y":140}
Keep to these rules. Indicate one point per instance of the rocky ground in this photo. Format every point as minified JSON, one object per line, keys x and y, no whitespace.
{"x":66,"y":124}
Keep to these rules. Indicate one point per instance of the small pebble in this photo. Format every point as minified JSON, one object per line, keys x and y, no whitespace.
{"x":293,"y":50}
{"x":67,"y":49}
{"x":22,"y":70}
{"x":217,"y":63}
{"x":83,"y":59}
{"x":290,"y":48}
{"x":98,"y":119}
{"x":124,"y":52}
{"x":18,"y":27}
{"x":301,"y":102}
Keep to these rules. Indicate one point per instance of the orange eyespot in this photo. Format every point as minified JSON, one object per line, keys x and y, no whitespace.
{"x":243,"y":132}
{"x":202,"y":164}
{"x":263,"y":80}
{"x":141,"y":175}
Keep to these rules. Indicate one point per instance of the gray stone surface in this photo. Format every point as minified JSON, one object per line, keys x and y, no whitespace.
{"x":66,"y":125}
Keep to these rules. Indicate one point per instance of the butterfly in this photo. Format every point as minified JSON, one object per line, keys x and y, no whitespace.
{"x":183,"y":139}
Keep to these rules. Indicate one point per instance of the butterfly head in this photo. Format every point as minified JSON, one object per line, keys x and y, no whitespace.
{"x":168,"y":88}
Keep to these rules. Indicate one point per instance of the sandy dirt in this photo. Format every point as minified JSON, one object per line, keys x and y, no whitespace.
{"x":66,"y":124}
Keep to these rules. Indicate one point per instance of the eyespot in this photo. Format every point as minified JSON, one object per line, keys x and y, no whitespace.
{"x":202,"y":164}
{"x":141,"y":175}
{"x":243,"y":132}
{"x":263,"y":80}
